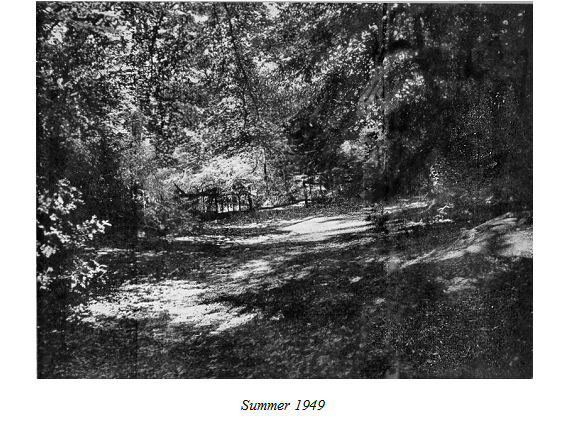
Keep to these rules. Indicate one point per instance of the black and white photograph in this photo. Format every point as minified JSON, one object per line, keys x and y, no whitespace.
{"x":284,"y":190}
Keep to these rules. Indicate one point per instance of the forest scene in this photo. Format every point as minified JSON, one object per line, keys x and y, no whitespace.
{"x":284,"y":190}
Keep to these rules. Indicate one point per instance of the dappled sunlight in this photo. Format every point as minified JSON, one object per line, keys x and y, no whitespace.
{"x":251,"y":225}
{"x":309,"y":230}
{"x":501,"y":236}
{"x":515,"y":244}
{"x":262,"y":239}
{"x":179,"y":300}
{"x":283,"y":189}
{"x":339,"y":244}
{"x":457,"y":284}
{"x":405,"y":206}
{"x":326,"y":287}
{"x":518,"y":244}
{"x":252,"y":268}
{"x":149,"y":254}
{"x":335,"y":225}
{"x":108,"y":250}
{"x":202,"y":238}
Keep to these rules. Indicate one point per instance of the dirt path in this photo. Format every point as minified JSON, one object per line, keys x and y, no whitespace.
{"x":324,"y":296}
{"x":230,"y":269}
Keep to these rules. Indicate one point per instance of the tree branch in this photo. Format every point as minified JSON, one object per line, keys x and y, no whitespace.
{"x":239,"y":59}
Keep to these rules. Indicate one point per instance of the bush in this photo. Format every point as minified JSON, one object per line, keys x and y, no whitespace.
{"x":63,"y":260}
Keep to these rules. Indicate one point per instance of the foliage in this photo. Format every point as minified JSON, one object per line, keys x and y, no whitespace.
{"x":62,"y":240}
{"x":148,"y":112}
{"x":264,"y":304}
{"x":370,"y":99}
{"x":427,"y":83}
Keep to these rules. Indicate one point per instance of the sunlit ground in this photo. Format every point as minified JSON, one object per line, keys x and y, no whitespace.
{"x":324,"y":296}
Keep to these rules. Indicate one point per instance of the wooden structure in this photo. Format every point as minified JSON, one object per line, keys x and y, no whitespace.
{"x":311,"y":184}
{"x":215,"y":200}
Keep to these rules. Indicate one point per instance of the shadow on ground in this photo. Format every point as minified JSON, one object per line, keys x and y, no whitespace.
{"x":332,"y":301}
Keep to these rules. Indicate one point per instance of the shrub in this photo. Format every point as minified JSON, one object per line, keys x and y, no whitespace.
{"x":63,"y":259}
